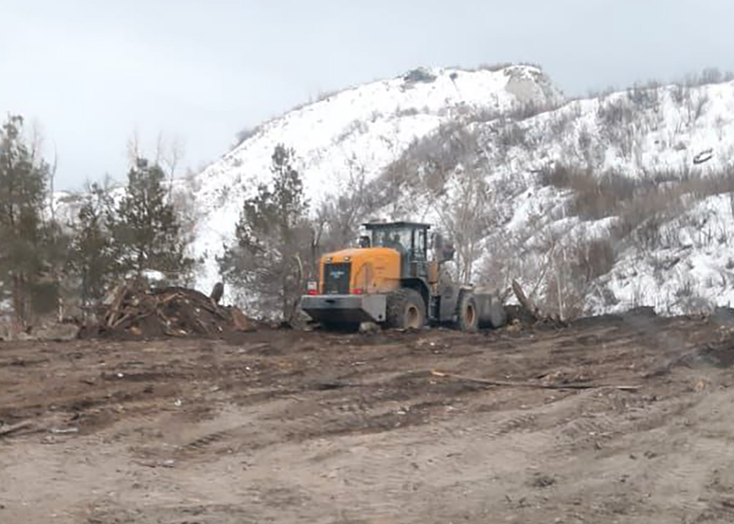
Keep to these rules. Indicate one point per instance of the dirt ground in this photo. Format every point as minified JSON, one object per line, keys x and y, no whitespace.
{"x":286,"y":426}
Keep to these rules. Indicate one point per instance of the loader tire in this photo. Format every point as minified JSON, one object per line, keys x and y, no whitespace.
{"x":406,"y":309}
{"x":467,"y":314}
{"x":497,"y":315}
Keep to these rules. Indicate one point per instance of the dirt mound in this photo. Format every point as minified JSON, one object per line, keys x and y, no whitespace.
{"x":722,"y":316}
{"x":719,"y":355}
{"x":169,"y":311}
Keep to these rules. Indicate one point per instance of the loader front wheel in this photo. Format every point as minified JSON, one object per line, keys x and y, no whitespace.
{"x":467,"y":315}
{"x":406,"y":309}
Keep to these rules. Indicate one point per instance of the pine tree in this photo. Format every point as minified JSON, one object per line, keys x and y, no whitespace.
{"x":273,"y":238}
{"x":46,"y":291}
{"x":146,"y":228}
{"x":23,"y":234}
{"x":93,"y":255}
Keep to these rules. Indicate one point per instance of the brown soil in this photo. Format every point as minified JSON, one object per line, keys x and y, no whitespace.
{"x":287,"y":426}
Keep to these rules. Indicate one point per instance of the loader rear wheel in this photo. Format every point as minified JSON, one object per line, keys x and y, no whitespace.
{"x":406,"y":309}
{"x":467,"y":315}
{"x":497,"y":316}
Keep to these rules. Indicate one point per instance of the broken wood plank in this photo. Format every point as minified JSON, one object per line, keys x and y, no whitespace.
{"x":7,"y":430}
{"x":213,"y":309}
{"x":167,"y":298}
{"x":114,"y":309}
{"x":489,"y":382}
{"x":124,"y":318}
{"x":527,"y":304}
{"x":131,"y":319}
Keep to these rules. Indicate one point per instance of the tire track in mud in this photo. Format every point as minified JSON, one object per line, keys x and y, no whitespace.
{"x":306,"y":416}
{"x":380,"y":401}
{"x":111,"y":512}
{"x":656,"y":463}
{"x":462,"y":460}
{"x":393,"y":445}
{"x":206,"y":441}
{"x":546,"y":434}
{"x":689,"y":462}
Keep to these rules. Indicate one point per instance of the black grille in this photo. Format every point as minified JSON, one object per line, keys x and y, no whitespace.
{"x":336,"y":278}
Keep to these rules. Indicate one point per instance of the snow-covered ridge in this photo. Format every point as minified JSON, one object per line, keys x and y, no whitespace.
{"x":676,"y":139}
{"x":361,"y":129}
{"x":638,"y":131}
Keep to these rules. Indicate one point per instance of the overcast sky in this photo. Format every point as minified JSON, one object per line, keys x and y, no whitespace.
{"x":93,"y":72}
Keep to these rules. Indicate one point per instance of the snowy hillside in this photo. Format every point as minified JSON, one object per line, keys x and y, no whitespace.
{"x":674,"y":146}
{"x":362,"y":129}
{"x":691,"y":271}
{"x":596,"y":205}
{"x":633,"y":189}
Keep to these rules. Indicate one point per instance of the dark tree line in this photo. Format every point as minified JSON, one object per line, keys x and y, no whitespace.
{"x":127,"y":233}
{"x":111,"y":237}
{"x":25,"y":237}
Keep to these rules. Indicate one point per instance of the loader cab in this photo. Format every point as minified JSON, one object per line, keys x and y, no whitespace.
{"x":410,"y":239}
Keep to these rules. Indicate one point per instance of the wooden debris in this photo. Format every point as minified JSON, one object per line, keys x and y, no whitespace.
{"x":170,"y":311}
{"x":113,"y":310}
{"x":489,"y":382}
{"x":240,"y":321}
{"x":531,"y":309}
{"x":527,"y":304}
{"x":7,"y":430}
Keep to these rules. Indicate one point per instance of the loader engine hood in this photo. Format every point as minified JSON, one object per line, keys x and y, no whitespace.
{"x":359,"y":271}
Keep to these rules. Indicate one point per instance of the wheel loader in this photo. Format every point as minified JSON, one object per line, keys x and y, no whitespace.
{"x":392,"y":280}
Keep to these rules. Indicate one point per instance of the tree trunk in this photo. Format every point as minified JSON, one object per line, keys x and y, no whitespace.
{"x":85,"y":297}
{"x":139,"y":266}
{"x":20,"y":302}
{"x":284,"y":303}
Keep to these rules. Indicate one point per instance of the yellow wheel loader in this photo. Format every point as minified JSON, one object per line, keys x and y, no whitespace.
{"x":390,"y":280}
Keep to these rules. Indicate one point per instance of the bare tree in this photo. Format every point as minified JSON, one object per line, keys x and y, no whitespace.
{"x":173,"y":154}
{"x":696,"y":104}
{"x":133,"y":149}
{"x":167,"y":154}
{"x":466,"y":214}
{"x":340,"y":215}
{"x":52,"y":185}
{"x":160,"y":146}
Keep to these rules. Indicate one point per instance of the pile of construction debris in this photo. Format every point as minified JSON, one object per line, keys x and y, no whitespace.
{"x":170,"y":311}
